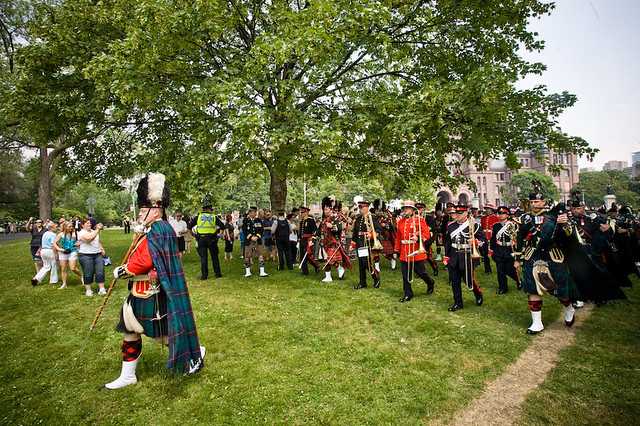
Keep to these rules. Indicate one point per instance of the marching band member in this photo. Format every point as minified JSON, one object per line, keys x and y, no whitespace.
{"x":364,"y":240}
{"x":501,"y":243}
{"x":540,"y":240}
{"x":158,"y":304}
{"x":487,"y":220}
{"x":461,"y":256}
{"x":412,"y":232}
{"x":253,"y":247}
{"x":427,"y":244}
{"x":331,"y":231}
{"x":307,"y":232}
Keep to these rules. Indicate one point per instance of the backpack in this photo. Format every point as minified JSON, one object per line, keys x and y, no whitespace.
{"x":282,"y":230}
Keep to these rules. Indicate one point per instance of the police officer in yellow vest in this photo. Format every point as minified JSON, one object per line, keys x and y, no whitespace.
{"x":206,"y":230}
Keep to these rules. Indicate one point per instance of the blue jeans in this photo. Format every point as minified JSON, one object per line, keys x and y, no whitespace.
{"x":92,"y":264}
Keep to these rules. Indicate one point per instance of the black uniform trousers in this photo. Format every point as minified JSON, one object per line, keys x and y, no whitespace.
{"x":208,"y":243}
{"x":284,"y":254}
{"x":484,"y":252}
{"x":363,"y":269}
{"x":505,"y":268}
{"x":419,"y":270}
{"x":304,"y":265}
{"x":459,"y":273}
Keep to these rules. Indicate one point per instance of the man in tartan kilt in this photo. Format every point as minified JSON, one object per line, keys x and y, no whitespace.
{"x":158,"y":305}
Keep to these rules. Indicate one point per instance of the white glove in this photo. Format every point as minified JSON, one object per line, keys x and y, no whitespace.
{"x":120,"y":272}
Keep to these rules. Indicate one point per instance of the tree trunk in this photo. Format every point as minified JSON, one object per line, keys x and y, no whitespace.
{"x":278,"y":189}
{"x":44,"y":186}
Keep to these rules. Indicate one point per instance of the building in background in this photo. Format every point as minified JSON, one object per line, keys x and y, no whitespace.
{"x":635,"y":164}
{"x":489,"y":182}
{"x":615,"y":165}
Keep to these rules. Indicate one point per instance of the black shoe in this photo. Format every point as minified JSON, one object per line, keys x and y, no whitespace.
{"x":531,"y":332}
{"x":218,"y":275}
{"x":430,"y":289}
{"x":501,"y":291}
{"x":519,"y":286}
{"x":479,"y":299}
{"x":34,"y":282}
{"x":376,"y":284}
{"x":202,"y":278}
{"x":435,"y":272}
{"x":359,"y":286}
{"x":305,"y":273}
{"x":406,"y":299}
{"x":454,"y":307}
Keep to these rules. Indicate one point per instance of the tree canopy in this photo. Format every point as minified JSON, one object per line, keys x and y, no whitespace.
{"x":201,"y":89}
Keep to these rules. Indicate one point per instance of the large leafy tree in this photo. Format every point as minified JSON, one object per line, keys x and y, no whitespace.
{"x":46,"y":102}
{"x":520,"y":186}
{"x":593,"y":186}
{"x":327,"y":87}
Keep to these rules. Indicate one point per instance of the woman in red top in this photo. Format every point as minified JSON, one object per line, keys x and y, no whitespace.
{"x":412,"y":236}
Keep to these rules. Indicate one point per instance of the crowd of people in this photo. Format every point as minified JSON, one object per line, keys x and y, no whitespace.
{"x":65,"y":244}
{"x":552,"y":249}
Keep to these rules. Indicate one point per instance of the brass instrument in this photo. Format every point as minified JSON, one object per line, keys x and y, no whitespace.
{"x":475,"y":254}
{"x":421,"y":248}
{"x":368,"y":220}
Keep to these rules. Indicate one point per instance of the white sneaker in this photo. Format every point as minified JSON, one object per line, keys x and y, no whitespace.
{"x":102,"y":292}
{"x":88,"y":293}
{"x":327,"y":277}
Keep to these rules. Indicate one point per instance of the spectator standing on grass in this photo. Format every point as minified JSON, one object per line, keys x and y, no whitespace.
{"x":91,"y":256}
{"x":37,"y":230}
{"x":180,"y":228}
{"x":49,"y":264}
{"x":229,"y":236}
{"x":66,"y":244}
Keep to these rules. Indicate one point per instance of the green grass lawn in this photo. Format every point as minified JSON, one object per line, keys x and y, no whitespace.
{"x":288,"y":349}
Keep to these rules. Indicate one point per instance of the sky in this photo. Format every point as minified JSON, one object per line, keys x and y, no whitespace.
{"x":592,"y":49}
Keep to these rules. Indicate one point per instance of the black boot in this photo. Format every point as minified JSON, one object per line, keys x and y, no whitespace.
{"x":454,"y":307}
{"x":479,"y":299}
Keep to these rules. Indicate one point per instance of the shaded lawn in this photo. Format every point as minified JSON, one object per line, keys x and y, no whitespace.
{"x":282,"y":349}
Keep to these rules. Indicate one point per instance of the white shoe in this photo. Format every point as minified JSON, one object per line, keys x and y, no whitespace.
{"x":62,"y":287}
{"x":247,"y":273}
{"x":262,"y":272}
{"x":102,"y":292}
{"x":127,"y":375}
{"x":88,"y":293}
{"x":340,"y":272}
{"x":536,"y":323}
{"x":327,"y":277}
{"x":569,"y":315}
{"x":393,"y":264}
{"x":578,"y":304}
{"x":377,"y":266}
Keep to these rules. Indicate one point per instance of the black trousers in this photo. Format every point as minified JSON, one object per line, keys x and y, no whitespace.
{"x":293,"y":250}
{"x":505,"y":269}
{"x":284,"y":254}
{"x":419,"y":270}
{"x":457,"y":276}
{"x":484,"y":252}
{"x":363,"y":269}
{"x":208,"y":244}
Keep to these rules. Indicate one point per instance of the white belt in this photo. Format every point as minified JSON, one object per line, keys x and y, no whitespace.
{"x":144,"y":277}
{"x":503,"y":244}
{"x":460,"y":246}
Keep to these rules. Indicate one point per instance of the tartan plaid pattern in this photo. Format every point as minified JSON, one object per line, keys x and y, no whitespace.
{"x":184,"y":347}
{"x":131,"y":350}
{"x":146,"y":312}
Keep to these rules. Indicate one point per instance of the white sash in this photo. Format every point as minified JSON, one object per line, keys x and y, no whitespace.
{"x":502,"y":230}
{"x":459,"y":230}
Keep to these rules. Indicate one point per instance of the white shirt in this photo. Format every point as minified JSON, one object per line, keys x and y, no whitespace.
{"x":179,"y":226}
{"x":92,"y":247}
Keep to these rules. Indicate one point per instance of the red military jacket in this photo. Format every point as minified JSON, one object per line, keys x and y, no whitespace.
{"x":140,"y":265}
{"x":487,"y":222}
{"x":407,"y":228}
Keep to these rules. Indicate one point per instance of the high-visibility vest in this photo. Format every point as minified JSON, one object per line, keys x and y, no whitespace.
{"x":206,"y":223}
